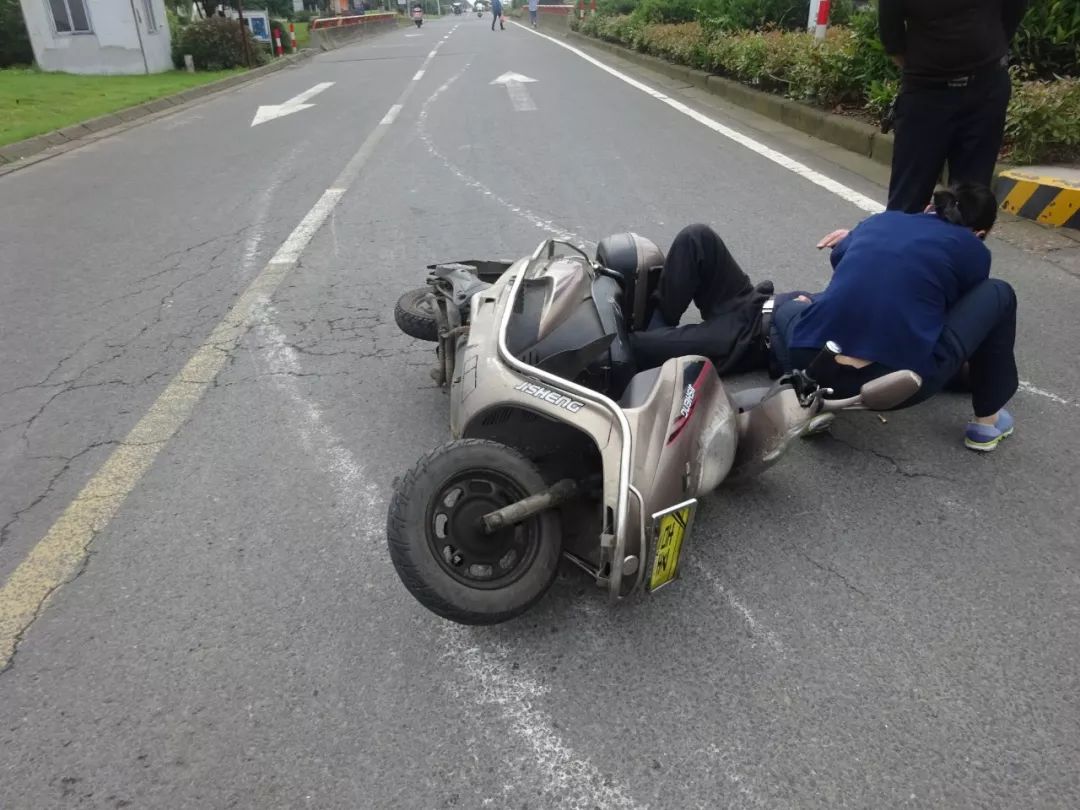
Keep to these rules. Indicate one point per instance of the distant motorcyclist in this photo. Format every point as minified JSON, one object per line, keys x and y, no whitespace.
{"x":909,"y":291}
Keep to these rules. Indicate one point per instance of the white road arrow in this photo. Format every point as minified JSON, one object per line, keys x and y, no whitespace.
{"x":519,"y":93}
{"x":268,"y":112}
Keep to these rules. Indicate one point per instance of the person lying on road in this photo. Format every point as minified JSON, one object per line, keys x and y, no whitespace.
{"x":909,"y":291}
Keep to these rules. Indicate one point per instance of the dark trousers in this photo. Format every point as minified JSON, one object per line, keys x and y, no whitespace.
{"x":698,"y":268}
{"x":939,"y":125}
{"x":496,"y":17}
{"x":980,"y":332}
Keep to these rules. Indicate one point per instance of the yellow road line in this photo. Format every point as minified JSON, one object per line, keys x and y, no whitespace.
{"x":58,"y":556}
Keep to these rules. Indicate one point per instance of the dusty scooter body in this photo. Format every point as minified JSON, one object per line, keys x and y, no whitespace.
{"x":561,"y":444}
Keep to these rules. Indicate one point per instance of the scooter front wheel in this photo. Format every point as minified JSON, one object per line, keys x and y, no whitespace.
{"x":415,"y":314}
{"x":439,"y":549}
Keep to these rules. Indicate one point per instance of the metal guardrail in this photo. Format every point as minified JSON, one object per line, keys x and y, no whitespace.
{"x":322,"y":23}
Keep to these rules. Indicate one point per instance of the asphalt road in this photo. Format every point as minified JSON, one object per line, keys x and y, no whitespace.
{"x":884,"y":620}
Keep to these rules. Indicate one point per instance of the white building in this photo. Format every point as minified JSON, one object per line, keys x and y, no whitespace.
{"x":99,"y":36}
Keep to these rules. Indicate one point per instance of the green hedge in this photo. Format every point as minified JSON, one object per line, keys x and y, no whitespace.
{"x":848,"y":69}
{"x":1046,"y":45}
{"x":1044,"y":121}
{"x":1048,"y":42}
{"x":216,"y":43}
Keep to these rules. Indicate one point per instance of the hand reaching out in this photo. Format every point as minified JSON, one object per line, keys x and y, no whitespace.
{"x":833,"y":239}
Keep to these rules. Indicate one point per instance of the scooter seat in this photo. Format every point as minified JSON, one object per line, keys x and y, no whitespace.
{"x":638,"y":263}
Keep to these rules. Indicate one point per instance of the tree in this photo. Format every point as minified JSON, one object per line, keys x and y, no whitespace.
{"x":14,"y":41}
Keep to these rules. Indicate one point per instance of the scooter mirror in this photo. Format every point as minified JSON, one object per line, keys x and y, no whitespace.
{"x":890,"y":390}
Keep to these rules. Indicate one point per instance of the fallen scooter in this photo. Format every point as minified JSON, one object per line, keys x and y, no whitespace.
{"x":562,"y":448}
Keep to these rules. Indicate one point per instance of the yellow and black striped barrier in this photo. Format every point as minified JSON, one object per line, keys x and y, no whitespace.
{"x":1048,"y":200}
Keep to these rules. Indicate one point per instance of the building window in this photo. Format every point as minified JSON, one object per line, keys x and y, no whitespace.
{"x":151,"y":18}
{"x":70,"y":16}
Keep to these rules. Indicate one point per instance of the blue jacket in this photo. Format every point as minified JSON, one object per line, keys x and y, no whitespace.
{"x":496,"y":7}
{"x":895,"y":277}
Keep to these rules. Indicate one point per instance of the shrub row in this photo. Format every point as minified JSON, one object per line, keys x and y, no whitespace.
{"x":1044,"y":121}
{"x":1046,"y":45}
{"x":848,"y":69}
{"x":216,"y":43}
{"x":833,"y":72}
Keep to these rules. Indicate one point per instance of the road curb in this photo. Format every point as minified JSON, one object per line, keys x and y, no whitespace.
{"x":73,"y":135}
{"x":855,"y":136}
{"x":1047,"y":200}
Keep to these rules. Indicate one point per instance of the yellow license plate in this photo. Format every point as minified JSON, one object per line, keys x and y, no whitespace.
{"x":672,"y":529}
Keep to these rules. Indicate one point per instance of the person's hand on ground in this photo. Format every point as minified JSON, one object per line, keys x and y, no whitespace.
{"x":833,"y":239}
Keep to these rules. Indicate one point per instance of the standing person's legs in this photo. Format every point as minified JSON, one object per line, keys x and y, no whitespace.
{"x":494,"y":17}
{"x":924,"y":122}
{"x":980,"y":127}
{"x":532,"y":16}
{"x":698,"y":268}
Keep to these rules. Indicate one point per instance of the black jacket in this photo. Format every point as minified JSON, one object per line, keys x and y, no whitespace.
{"x":941,"y":39}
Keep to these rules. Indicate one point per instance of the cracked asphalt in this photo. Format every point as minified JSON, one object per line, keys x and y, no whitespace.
{"x":883,"y":620}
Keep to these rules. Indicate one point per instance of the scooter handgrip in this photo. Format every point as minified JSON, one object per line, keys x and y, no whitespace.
{"x":826,"y":356}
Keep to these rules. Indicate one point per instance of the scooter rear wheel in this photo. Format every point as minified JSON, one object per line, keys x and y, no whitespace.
{"x":438,"y":549}
{"x":415,"y":315}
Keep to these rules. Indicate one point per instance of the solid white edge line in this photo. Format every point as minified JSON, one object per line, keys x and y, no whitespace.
{"x":817,"y":178}
{"x":390,"y":116}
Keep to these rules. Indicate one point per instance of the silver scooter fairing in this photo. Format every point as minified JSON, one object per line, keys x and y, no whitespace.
{"x":671,"y":437}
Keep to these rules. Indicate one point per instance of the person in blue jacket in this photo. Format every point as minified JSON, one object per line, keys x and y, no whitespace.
{"x":909,"y":291}
{"x":497,"y":14}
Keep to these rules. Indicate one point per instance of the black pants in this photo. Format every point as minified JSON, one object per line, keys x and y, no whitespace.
{"x":698,"y":268}
{"x":938,"y":125}
{"x":495,"y":17}
{"x":980,"y":332}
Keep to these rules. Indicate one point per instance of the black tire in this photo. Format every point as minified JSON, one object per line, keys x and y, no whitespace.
{"x":446,"y":571}
{"x":415,"y":315}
